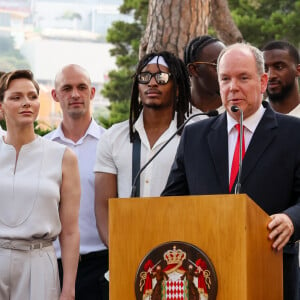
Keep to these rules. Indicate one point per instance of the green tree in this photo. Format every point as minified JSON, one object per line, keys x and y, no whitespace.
{"x":37,"y":129}
{"x":118,"y":113}
{"x":263,"y":20}
{"x":258,"y":20}
{"x":11,"y":59}
{"x":126,"y":40}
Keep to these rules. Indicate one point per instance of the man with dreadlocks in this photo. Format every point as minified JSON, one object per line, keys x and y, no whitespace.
{"x":159,"y":102}
{"x":200,"y":57}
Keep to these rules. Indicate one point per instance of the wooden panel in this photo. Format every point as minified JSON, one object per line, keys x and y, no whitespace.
{"x":230,"y":229}
{"x":259,"y":251}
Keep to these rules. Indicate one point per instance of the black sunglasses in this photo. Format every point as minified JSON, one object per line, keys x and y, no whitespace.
{"x":160,"y":77}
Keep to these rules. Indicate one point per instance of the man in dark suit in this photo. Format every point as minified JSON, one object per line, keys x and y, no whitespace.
{"x":271,"y":165}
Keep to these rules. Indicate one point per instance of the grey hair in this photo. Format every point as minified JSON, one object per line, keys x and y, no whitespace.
{"x":257,"y":54}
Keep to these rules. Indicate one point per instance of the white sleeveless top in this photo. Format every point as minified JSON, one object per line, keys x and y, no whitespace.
{"x":30,"y":190}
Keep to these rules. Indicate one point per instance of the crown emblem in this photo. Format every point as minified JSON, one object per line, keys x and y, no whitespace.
{"x":175,"y":256}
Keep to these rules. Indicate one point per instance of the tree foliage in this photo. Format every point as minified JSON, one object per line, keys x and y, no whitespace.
{"x":118,"y":112}
{"x":263,"y":20}
{"x":37,"y":129}
{"x":126,"y":40}
{"x":258,"y":20}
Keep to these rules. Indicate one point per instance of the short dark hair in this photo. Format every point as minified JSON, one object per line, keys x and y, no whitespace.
{"x":195,"y":46}
{"x":284,"y":45}
{"x":181,"y":83}
{"x":7,"y":78}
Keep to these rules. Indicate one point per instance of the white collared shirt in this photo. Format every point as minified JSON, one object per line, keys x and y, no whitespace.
{"x":85,"y":150}
{"x":295,"y":112}
{"x":2,"y":132}
{"x":250,"y":125}
{"x":114,"y":156}
{"x":196,"y":110}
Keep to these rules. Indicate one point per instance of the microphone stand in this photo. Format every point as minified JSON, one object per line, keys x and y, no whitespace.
{"x":211,"y":113}
{"x":238,"y":185}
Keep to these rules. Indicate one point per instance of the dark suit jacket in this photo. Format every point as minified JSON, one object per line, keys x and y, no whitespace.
{"x":270,"y":173}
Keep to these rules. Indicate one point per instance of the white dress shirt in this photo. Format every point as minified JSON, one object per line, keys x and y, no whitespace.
{"x":114,"y":156}
{"x":2,"y":132}
{"x":195,"y":110}
{"x":85,"y":150}
{"x":250,"y":125}
{"x":295,"y":112}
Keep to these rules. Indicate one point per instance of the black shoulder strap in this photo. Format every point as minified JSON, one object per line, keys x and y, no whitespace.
{"x":136,"y":161}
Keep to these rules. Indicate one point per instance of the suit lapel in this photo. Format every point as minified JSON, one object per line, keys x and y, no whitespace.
{"x":261,"y":139}
{"x":218,"y":145}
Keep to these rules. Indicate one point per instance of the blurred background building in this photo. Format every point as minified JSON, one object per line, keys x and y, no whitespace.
{"x":50,"y":34}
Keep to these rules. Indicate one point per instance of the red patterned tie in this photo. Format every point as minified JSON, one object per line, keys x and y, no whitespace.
{"x":235,"y":161}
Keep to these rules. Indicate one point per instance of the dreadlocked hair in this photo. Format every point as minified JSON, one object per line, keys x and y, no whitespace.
{"x":195,"y":46}
{"x":181,"y":83}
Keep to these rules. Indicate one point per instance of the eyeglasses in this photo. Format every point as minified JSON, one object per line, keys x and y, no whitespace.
{"x":160,"y":77}
{"x":203,"y":63}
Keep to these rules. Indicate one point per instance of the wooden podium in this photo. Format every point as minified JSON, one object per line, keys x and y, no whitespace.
{"x":230,"y":229}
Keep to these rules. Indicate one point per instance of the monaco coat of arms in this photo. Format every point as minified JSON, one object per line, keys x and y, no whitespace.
{"x":176,"y":271}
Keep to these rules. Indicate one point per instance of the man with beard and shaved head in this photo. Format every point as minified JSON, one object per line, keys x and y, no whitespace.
{"x":80,"y":132}
{"x":282,"y":64}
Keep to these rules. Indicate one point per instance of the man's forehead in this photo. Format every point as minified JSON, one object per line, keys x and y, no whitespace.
{"x":71,"y":72}
{"x":69,"y":79}
{"x":73,"y":83}
{"x":277,"y":55}
{"x":156,"y":67}
{"x":237,"y":51}
{"x":237,"y":58}
{"x":212,"y":50}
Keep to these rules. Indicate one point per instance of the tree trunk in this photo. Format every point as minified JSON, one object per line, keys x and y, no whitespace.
{"x":223,"y":23}
{"x":172,"y":23}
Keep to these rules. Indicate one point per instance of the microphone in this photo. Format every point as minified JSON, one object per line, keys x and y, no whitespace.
{"x":211,"y":113}
{"x":235,"y":108}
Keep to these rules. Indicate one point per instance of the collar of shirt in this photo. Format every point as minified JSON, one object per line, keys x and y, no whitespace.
{"x":295,"y":111}
{"x":195,"y":110}
{"x":139,"y":127}
{"x":250,"y":123}
{"x":2,"y":132}
{"x":93,"y":130}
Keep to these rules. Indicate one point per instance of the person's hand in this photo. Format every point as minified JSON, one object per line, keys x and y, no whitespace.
{"x":281,"y":228}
